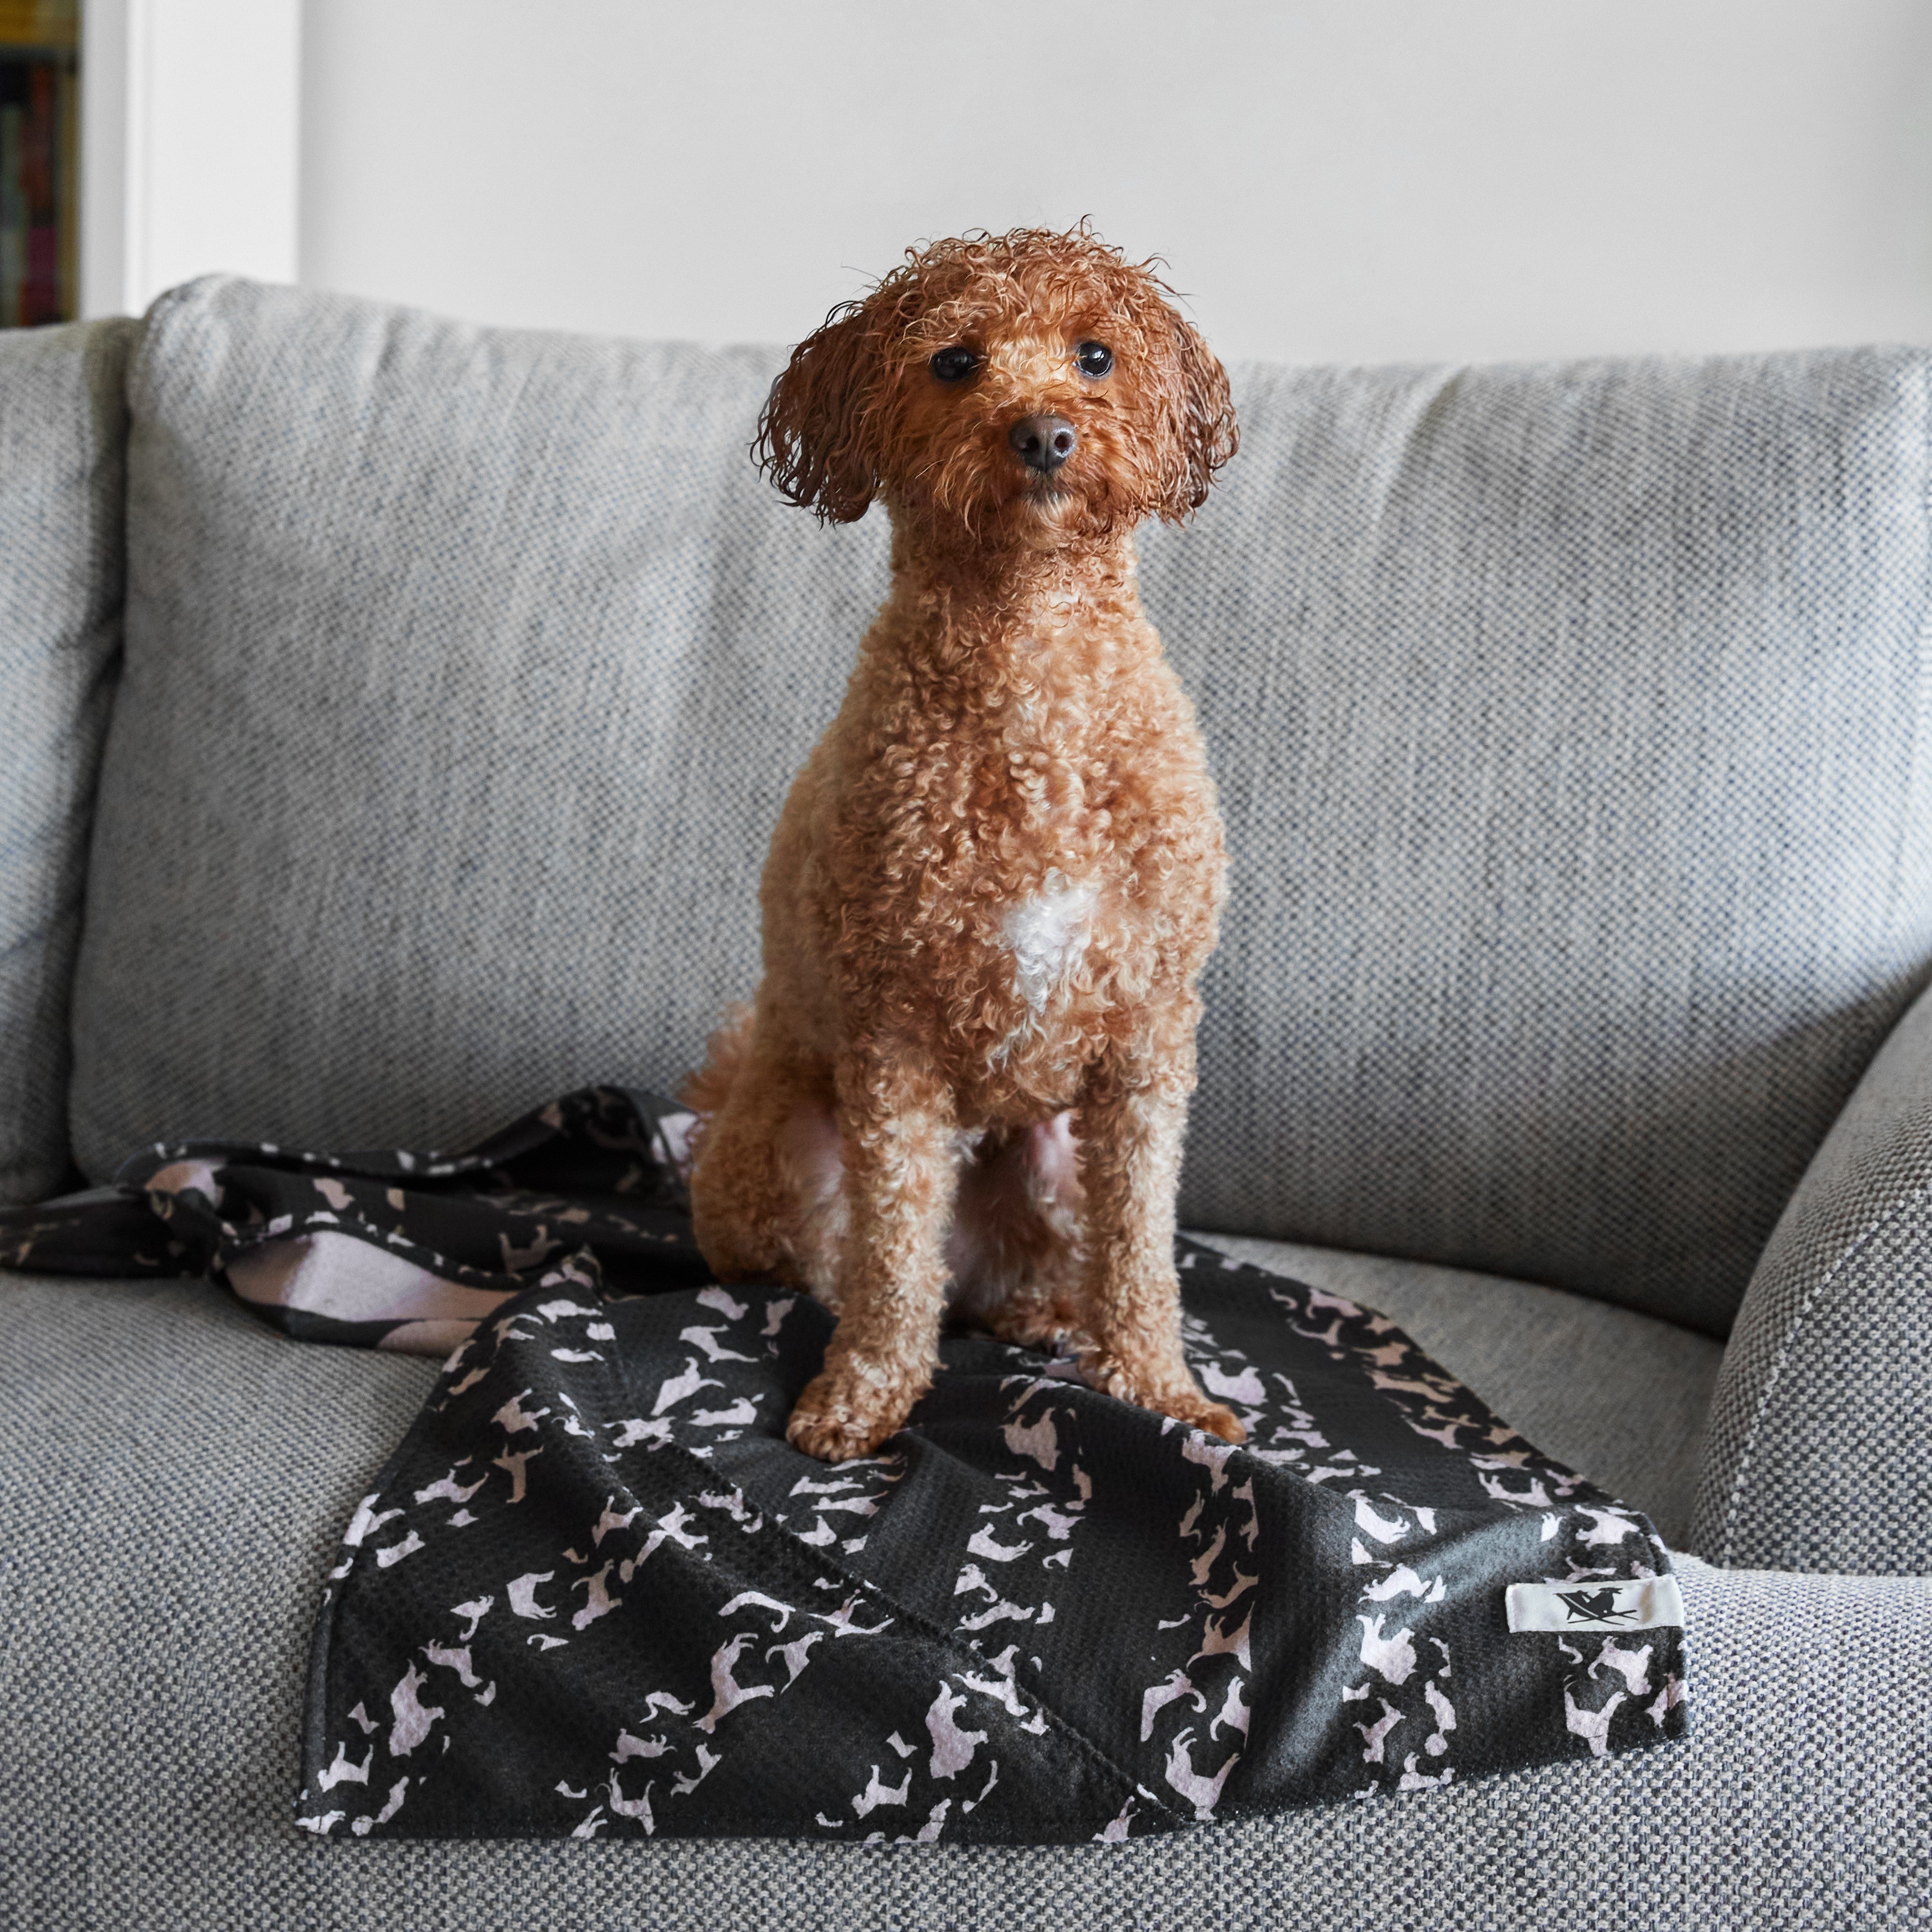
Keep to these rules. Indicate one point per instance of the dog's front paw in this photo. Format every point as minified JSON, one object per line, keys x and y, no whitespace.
{"x":1199,"y":1413}
{"x":839,"y":1416}
{"x":1178,"y":1396}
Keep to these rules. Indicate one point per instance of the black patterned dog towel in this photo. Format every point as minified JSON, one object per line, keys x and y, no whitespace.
{"x":594,"y":1593}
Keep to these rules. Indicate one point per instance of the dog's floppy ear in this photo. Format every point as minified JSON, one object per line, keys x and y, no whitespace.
{"x":1201,"y":431}
{"x":813,"y":440}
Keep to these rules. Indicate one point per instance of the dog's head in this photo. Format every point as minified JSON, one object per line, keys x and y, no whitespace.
{"x":1033,"y":384}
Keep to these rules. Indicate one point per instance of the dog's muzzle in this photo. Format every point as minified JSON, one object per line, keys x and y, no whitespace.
{"x":1043,"y":443}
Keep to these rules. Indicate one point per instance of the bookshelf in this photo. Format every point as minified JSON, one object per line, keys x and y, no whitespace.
{"x":40,"y":162}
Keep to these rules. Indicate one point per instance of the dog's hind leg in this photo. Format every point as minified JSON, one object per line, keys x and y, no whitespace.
{"x":1014,"y":1250}
{"x":765,"y":1183}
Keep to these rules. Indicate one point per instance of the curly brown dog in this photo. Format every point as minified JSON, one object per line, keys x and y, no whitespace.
{"x":994,"y":882}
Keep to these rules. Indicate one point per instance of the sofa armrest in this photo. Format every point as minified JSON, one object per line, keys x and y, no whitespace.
{"x":1815,"y":1456}
{"x":63,"y":468}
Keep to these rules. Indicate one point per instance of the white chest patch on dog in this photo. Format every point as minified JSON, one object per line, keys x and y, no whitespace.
{"x":1047,"y":934}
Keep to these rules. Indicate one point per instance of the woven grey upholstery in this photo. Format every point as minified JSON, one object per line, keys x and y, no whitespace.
{"x":467,"y":670}
{"x":149,"y":1689}
{"x":61,"y":479}
{"x":1566,"y":719}
{"x":1569,"y":721}
{"x":1619,"y":1395}
{"x":1818,"y":1452}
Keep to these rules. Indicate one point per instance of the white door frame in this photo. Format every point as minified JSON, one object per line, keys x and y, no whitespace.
{"x":189,"y":141}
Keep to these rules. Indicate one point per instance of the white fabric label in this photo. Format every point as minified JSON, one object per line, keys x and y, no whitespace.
{"x":1643,"y":1604}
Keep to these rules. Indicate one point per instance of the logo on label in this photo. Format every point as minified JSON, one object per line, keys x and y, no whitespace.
{"x":1592,"y":1605}
{"x":1640,"y":1602}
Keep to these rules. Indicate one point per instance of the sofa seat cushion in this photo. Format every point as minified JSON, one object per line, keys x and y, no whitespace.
{"x":149,"y":1700}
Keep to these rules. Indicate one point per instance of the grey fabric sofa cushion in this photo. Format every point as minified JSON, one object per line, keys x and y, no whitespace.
{"x":466,"y":671}
{"x":61,"y":480}
{"x":1566,"y":720}
{"x":1817,"y":1452}
{"x":149,"y":1704}
{"x":1570,"y":723}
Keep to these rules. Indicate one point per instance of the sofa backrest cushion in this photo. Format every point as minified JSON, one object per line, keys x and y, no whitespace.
{"x":466,"y":671}
{"x":1569,"y":723}
{"x":62,"y":449}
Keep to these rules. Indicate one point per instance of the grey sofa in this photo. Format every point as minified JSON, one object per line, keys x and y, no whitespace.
{"x":395,"y":714}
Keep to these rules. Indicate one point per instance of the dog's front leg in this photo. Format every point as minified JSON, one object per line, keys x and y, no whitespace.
{"x":895,"y":1123}
{"x":1133,"y":1114}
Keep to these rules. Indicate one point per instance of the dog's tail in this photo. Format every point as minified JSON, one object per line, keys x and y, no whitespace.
{"x":706,"y":1091}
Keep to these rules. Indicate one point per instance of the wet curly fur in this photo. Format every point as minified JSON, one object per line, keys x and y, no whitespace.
{"x":995,"y":883}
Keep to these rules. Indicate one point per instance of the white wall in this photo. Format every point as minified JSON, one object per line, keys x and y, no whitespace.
{"x":1329,"y":178}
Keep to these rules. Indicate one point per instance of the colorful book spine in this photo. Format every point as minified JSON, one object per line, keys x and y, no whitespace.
{"x":39,"y":162}
{"x":12,"y":202}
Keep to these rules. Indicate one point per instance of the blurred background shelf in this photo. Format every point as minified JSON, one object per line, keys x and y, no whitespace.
{"x":40,"y":162}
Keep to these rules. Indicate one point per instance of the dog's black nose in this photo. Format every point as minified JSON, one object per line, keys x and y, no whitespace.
{"x":1043,"y":443}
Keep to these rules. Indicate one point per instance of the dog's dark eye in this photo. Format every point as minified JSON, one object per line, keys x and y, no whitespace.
{"x":954,"y":365}
{"x":1095,"y":359}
